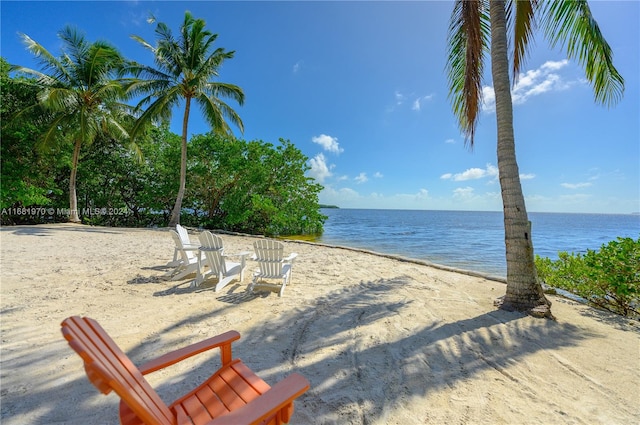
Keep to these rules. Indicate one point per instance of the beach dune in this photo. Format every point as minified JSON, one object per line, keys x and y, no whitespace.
{"x":382,"y":340}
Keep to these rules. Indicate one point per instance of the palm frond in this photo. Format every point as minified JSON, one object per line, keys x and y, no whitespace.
{"x":59,"y":100}
{"x":144,"y":43}
{"x":523,"y":23}
{"x":184,"y":68}
{"x":42,"y":79}
{"x":102,"y":62}
{"x":226,"y":90}
{"x":468,"y":39}
{"x":46,"y":60}
{"x":76,"y":48}
{"x":571,"y":24}
{"x":218,"y":112}
{"x":158,"y":110}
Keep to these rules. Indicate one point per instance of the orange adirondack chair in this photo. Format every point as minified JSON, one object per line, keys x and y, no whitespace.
{"x":233,"y":395}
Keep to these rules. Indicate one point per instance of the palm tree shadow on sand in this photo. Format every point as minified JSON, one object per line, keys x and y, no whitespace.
{"x":347,"y":367}
{"x":356,"y":375}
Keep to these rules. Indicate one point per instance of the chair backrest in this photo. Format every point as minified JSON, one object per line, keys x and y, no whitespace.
{"x":269,"y":254}
{"x":108,"y":368}
{"x":184,"y":235}
{"x":184,"y":254}
{"x":211,"y":246}
{"x":209,"y":240}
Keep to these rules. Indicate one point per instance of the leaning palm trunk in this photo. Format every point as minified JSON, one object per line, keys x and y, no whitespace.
{"x":73,"y":197}
{"x":523,"y":289}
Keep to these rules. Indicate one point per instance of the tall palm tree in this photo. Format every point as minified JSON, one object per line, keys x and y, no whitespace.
{"x":80,"y":94}
{"x":478,"y":26}
{"x":184,"y":70}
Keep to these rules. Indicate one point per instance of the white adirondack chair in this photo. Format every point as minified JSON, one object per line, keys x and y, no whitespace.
{"x":188,"y":259}
{"x":269,"y":255}
{"x":186,"y":243}
{"x":225,"y":271}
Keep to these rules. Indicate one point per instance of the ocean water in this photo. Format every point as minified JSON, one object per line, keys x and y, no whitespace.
{"x":469,"y":240}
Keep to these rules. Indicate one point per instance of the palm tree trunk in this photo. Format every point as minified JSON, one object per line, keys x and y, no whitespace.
{"x":524,"y":292}
{"x":73,"y":197}
{"x":177,"y":208}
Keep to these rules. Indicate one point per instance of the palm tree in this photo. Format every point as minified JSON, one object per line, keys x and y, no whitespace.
{"x":80,"y":95}
{"x":477,"y":24}
{"x":185,"y":69}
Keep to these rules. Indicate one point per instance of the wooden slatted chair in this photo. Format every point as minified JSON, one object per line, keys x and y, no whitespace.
{"x":232,"y":395}
{"x":189,"y":262}
{"x":269,"y":255}
{"x":212,"y":250}
{"x":185,"y":244}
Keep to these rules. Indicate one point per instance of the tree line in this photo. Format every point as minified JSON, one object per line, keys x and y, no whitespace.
{"x":69,"y":133}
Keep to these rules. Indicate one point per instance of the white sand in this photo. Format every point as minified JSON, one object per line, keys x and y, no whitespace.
{"x":382,"y":341}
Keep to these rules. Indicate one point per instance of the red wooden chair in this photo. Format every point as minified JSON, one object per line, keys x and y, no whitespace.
{"x":232,"y":395}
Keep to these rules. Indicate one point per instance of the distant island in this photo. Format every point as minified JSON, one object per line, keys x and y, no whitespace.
{"x":328,"y":206}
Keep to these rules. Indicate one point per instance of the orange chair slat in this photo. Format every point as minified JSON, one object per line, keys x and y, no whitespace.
{"x":252,"y":379}
{"x":211,"y":401}
{"x":104,"y":360}
{"x":128,"y":381}
{"x":240,"y":385}
{"x":196,"y":411}
{"x":228,"y":397}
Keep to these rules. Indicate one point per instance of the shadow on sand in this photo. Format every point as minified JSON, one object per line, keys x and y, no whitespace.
{"x":418,"y":362}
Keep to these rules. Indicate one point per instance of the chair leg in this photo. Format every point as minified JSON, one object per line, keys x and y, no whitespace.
{"x":252,"y":284}
{"x":223,"y":282}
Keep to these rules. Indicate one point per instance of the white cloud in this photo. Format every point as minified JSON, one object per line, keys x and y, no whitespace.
{"x":554,"y":65}
{"x":296,"y":67}
{"x":319,"y":168}
{"x":417,"y":104}
{"x":472,"y":174}
{"x":378,"y":175}
{"x":361,"y":178}
{"x":349,"y":198}
{"x":527,"y":176}
{"x":450,"y":141}
{"x":328,"y":143}
{"x":463,"y":193}
{"x":488,"y":99}
{"x":531,"y":83}
{"x":575,"y":185}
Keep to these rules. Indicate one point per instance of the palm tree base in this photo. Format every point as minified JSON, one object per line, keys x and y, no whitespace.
{"x":540,"y":310}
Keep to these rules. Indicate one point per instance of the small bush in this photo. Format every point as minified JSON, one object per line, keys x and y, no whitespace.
{"x":608,"y":278}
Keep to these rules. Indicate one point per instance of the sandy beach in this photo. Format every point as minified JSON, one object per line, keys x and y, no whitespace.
{"x":382,"y":341}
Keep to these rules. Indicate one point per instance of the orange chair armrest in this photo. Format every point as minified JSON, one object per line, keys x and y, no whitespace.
{"x":223,"y":341}
{"x":269,"y":403}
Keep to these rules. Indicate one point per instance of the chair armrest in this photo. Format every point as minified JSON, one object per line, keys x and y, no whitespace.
{"x":205,"y":248}
{"x":223,"y":340}
{"x":242,"y":254}
{"x":291,"y":257}
{"x":190,"y":247}
{"x":276,"y":398}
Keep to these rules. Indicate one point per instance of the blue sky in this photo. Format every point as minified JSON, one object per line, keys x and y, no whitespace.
{"x":360,"y":88}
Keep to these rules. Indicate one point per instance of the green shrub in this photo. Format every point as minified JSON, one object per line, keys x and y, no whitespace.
{"x":608,"y":278}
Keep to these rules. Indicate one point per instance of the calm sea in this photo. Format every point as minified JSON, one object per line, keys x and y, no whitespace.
{"x":469,"y":240}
